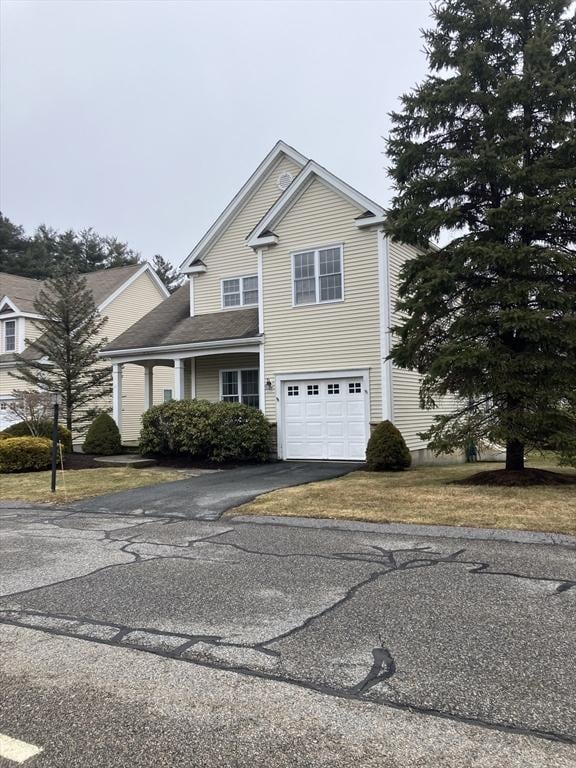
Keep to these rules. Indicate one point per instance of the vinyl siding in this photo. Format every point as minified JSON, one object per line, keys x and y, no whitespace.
{"x":407,"y":414}
{"x":208,"y":372}
{"x":132,"y":304}
{"x":230,"y":256}
{"x":322,"y":337}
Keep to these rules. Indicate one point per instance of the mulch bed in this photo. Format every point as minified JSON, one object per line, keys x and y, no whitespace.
{"x":80,"y":461}
{"x":518,"y":478}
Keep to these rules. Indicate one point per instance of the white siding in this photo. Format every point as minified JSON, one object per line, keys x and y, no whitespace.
{"x":230,"y":256}
{"x":321,"y":337}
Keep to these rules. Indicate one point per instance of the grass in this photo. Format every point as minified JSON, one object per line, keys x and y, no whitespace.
{"x":80,"y":484}
{"x":423,"y":495}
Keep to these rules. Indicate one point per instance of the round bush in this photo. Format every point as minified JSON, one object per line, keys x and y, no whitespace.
{"x":176,"y":427}
{"x":387,"y":451}
{"x":24,"y":454}
{"x":43,"y":429}
{"x":103,"y":437}
{"x":205,"y":431}
{"x":238,"y":433}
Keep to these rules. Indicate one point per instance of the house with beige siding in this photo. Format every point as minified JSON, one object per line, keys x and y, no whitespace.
{"x":123,"y":296}
{"x":288,"y":307}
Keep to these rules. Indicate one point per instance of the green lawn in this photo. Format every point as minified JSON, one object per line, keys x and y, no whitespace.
{"x":81,"y":483}
{"x":423,"y":495}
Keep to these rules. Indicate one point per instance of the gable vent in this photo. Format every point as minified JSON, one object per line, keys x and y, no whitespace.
{"x":284,"y":180}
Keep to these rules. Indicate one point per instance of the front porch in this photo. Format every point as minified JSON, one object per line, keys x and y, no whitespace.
{"x":208,"y":374}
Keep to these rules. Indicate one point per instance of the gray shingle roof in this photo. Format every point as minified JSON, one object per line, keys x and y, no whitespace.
{"x":170,"y":324}
{"x":22,"y":292}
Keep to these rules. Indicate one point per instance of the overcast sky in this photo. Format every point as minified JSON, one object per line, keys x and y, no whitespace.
{"x":142,"y":119}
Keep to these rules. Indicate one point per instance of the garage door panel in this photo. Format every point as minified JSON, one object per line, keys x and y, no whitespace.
{"x":324,"y":419}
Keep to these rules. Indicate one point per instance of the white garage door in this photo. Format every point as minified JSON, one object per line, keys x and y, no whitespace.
{"x":324,"y":419}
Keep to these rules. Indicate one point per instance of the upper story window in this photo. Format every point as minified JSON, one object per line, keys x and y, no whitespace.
{"x":239,"y":291}
{"x":9,"y":335}
{"x":317,"y":276}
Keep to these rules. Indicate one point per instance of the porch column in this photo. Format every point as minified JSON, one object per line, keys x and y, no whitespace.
{"x":148,"y":387}
{"x":193,"y":377}
{"x":178,"y":379}
{"x":117,"y":394}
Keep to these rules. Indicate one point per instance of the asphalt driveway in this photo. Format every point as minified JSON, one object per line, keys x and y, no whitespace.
{"x":166,"y":641}
{"x":206,"y":497}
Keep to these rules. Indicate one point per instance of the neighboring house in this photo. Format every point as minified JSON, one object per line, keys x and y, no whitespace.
{"x":290,"y":299}
{"x":123,"y":295}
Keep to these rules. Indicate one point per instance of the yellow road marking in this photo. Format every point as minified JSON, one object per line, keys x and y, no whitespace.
{"x":17,"y":751}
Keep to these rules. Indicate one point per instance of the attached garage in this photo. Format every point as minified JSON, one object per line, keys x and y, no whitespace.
{"x":324,"y":416}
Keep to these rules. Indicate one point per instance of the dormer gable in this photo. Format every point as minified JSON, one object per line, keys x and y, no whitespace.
{"x":369,"y":211}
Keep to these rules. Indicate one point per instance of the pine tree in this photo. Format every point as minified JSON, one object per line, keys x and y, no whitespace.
{"x":483,"y":153}
{"x":166,"y":272}
{"x":68,"y":347}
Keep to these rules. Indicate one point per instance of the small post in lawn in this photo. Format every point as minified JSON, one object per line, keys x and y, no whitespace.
{"x":56,"y":399}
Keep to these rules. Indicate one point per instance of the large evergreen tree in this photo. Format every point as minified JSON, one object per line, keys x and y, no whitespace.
{"x":483,"y":154}
{"x":40,"y":254}
{"x":68,"y":347}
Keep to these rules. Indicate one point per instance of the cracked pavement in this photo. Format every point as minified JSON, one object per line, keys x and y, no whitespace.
{"x":327,"y":645}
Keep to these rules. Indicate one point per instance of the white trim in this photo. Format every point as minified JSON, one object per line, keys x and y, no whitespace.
{"x":14,"y":315}
{"x":384,"y":324}
{"x":241,"y":278}
{"x":239,"y":371}
{"x":354,"y":373}
{"x":191,"y":288}
{"x":311,"y":170}
{"x":370,"y":221}
{"x":316,"y":250}
{"x":192,"y":377}
{"x":117,"y":394}
{"x":5,"y":300}
{"x":268,"y":240}
{"x":127,"y":283}
{"x":280,"y":148}
{"x":201,"y":345}
{"x":167,"y":359}
{"x":194,"y":269}
{"x":262,"y":379}
{"x":148,"y":387}
{"x":260,"y":261}
{"x":178,"y":379}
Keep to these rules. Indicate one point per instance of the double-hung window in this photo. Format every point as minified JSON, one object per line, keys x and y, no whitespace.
{"x":9,"y":335}
{"x":318,"y":276}
{"x":239,"y":291}
{"x":240,"y":386}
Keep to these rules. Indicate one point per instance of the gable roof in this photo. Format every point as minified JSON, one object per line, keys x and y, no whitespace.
{"x":20,"y":291}
{"x":104,"y":284}
{"x":169,"y":324}
{"x":234,"y":206}
{"x":263,"y":231}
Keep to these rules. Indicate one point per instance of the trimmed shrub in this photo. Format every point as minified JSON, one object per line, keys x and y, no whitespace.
{"x":387,"y":450}
{"x":238,"y":433}
{"x":24,"y":454}
{"x":43,"y":429}
{"x":176,"y":427}
{"x":103,"y":437}
{"x":205,"y":431}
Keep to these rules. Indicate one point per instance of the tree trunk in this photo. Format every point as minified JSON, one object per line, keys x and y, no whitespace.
{"x":514,"y":455}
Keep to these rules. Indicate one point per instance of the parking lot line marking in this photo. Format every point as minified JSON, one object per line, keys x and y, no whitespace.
{"x":17,"y":751}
